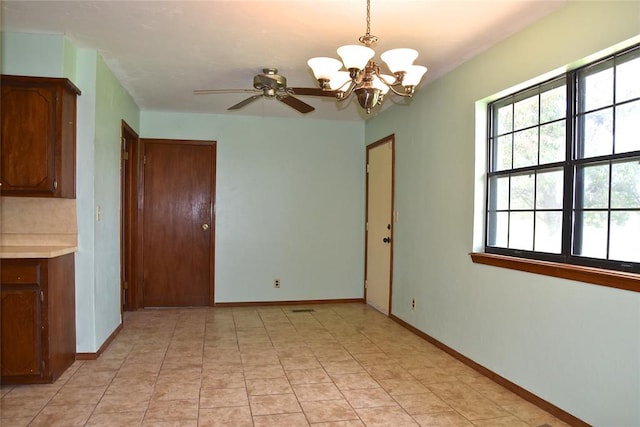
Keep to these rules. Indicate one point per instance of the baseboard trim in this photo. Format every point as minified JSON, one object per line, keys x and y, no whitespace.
{"x":299,"y":302}
{"x":523,"y":393}
{"x":103,"y":347}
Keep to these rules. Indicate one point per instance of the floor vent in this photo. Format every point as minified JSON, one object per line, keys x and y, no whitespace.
{"x":302,"y":310}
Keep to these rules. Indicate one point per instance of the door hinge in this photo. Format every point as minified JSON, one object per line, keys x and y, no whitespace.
{"x":365,"y":284}
{"x":125,"y":285}
{"x":42,"y":296}
{"x":125,"y":155}
{"x":366,"y":227}
{"x":367,"y":167}
{"x":144,"y":160}
{"x":55,"y":184}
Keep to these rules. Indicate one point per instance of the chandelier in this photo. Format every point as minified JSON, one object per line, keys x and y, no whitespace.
{"x":363,"y":76}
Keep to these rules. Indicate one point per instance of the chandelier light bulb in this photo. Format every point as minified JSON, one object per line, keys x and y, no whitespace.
{"x":324,"y":68}
{"x":399,"y":60}
{"x":339,"y":79}
{"x":414,"y":75}
{"x":379,"y":84}
{"x":355,"y":56}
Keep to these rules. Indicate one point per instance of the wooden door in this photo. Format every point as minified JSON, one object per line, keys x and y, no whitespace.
{"x":177,"y":236}
{"x":379,"y":241}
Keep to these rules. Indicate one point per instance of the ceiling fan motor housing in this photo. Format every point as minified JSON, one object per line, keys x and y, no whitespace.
{"x":270,"y":82}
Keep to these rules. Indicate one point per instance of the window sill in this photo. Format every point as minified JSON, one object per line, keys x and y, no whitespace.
{"x":596,"y":276}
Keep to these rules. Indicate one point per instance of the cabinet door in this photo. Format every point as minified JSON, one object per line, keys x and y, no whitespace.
{"x":28,"y":140}
{"x":21,"y":338}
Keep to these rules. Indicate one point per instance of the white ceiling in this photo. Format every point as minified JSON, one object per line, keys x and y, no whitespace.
{"x":162,"y":50}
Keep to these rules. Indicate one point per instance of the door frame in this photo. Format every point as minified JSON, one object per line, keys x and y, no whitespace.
{"x":212,"y":246}
{"x":129,"y":190}
{"x":387,"y":139}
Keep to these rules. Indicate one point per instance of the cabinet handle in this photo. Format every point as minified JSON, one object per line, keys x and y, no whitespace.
{"x":42,"y":296}
{"x":55,"y":184}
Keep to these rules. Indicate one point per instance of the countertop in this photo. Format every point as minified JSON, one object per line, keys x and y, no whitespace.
{"x":32,"y":251}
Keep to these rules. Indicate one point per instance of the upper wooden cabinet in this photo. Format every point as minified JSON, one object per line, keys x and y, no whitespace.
{"x":38,"y":137}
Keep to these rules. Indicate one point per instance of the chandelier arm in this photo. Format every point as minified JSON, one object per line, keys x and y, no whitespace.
{"x":404,"y":94}
{"x":396,"y":82}
{"x":342,"y":95}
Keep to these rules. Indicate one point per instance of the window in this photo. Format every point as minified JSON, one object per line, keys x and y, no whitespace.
{"x":564,"y":168}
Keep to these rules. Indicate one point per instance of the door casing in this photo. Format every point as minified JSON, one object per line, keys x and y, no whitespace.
{"x":129,"y":167}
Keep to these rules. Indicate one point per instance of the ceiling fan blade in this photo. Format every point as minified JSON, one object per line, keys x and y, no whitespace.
{"x":210,"y":91}
{"x":301,"y":106}
{"x":313,"y":91}
{"x":245,"y":102}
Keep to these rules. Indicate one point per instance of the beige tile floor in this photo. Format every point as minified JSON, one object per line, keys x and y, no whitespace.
{"x":340,"y":365}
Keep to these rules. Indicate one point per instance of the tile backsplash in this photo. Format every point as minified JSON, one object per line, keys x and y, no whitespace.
{"x":37,"y":218}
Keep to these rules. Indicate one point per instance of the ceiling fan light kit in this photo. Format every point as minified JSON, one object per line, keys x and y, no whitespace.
{"x":363,"y":76}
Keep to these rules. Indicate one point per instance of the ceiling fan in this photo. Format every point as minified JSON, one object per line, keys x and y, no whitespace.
{"x":272,"y":85}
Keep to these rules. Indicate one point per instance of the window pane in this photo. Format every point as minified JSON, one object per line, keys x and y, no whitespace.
{"x":549,"y":190}
{"x":623,"y":247}
{"x":499,"y":193}
{"x":628,"y":127}
{"x":553,"y":104}
{"x":498,"y":229}
{"x":595,"y":188}
{"x":552,"y":142}
{"x":505,"y":119}
{"x":625,"y":185}
{"x":526,"y":113}
{"x":521,"y":231}
{"x":597,"y":137}
{"x":627,"y":81}
{"x":525,"y":148}
{"x":548,"y":232}
{"x":597,"y":88}
{"x":503,"y":153}
{"x":522,"y":192}
{"x":594,"y":235}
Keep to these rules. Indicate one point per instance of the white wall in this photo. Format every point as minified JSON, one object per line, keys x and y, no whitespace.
{"x":573,"y":344}
{"x":289,"y":203}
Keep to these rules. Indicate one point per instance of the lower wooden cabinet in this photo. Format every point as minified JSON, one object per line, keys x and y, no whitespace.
{"x":38,"y":332}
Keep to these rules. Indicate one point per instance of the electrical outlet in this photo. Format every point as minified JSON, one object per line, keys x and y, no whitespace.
{"x":413,"y":304}
{"x":276,"y":283}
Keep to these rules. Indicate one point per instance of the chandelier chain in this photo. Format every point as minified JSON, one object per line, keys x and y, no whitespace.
{"x":368,"y":17}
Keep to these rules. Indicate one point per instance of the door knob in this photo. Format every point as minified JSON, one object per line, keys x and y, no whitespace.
{"x":387,"y":240}
{"x":205,"y":226}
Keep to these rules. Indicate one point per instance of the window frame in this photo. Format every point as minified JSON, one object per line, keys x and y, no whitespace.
{"x":565,"y":260}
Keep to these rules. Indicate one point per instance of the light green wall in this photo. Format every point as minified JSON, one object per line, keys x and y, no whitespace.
{"x":101,"y":107}
{"x":70,"y":63}
{"x":33,"y":54}
{"x":85,"y":178}
{"x":289,"y":203}
{"x":573,"y":344}
{"x":113,"y":104}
